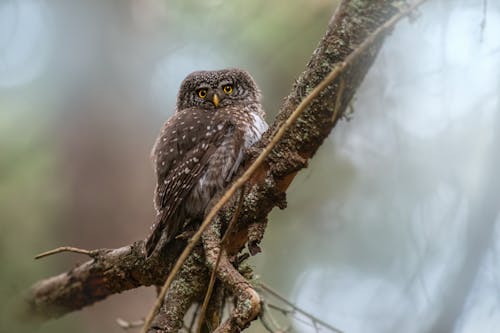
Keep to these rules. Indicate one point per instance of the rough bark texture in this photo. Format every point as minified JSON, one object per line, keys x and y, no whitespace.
{"x":187,"y":288}
{"x":114,"y":271}
{"x":108,"y":273}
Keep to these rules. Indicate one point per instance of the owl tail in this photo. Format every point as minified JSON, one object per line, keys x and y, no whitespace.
{"x":161,"y":235}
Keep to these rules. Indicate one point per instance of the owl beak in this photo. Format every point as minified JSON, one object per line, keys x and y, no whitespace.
{"x":216,"y":100}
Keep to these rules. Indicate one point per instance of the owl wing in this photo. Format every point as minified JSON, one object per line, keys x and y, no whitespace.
{"x":181,"y":153}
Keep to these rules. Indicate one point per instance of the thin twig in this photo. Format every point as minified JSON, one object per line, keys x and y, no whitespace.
{"x":269,"y":326}
{"x":284,"y":311}
{"x":214,"y":270}
{"x":294,"y":314}
{"x":272,"y":326}
{"x":90,"y":253}
{"x":266,"y":325}
{"x":336,"y":71}
{"x":296,"y":308}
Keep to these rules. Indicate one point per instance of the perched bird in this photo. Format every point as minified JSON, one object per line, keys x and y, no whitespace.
{"x":218,"y":115}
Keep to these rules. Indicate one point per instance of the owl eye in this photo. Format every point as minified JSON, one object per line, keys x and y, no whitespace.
{"x":228,"y":89}
{"x":202,"y":93}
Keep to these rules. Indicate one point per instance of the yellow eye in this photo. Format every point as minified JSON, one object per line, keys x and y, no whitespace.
{"x":202,"y":93}
{"x":228,"y":89}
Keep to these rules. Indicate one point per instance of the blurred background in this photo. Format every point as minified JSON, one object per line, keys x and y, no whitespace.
{"x":394,"y":227}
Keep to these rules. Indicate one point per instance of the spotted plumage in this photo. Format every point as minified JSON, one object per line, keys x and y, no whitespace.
{"x":201,"y":146}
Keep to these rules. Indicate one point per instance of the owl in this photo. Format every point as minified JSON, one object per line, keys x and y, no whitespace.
{"x":218,"y":115}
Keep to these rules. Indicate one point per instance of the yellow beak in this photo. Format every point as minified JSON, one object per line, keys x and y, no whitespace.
{"x":216,"y":100}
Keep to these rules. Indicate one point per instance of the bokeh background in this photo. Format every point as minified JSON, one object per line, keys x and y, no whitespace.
{"x":394,"y":227}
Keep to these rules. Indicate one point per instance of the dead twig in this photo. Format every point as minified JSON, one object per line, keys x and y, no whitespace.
{"x":271,"y":325}
{"x":315,"y":320}
{"x":90,"y":253}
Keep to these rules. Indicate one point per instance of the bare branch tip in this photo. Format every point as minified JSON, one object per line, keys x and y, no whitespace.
{"x":90,"y":253}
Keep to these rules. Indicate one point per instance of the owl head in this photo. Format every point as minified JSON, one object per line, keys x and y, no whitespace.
{"x":215,"y":89}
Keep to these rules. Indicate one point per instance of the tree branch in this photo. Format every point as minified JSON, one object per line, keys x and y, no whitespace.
{"x":90,"y":253}
{"x":110,"y":272}
{"x":344,"y":55}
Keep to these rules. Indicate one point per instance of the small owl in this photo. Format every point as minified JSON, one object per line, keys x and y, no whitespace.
{"x":218,"y":115}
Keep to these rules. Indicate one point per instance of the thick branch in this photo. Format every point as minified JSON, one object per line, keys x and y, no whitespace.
{"x":110,"y":272}
{"x":125,"y":268}
{"x":187,"y":287}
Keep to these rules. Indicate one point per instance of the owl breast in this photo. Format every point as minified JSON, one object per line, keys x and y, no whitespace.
{"x":246,"y":129}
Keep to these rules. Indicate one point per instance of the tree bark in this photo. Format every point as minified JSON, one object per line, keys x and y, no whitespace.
{"x":114,"y":271}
